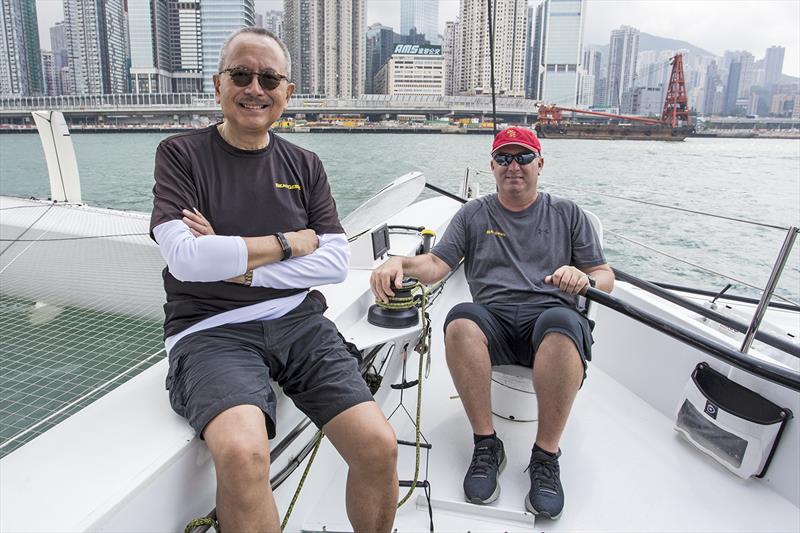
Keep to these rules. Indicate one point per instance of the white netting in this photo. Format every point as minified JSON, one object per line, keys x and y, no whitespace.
{"x":80,"y":310}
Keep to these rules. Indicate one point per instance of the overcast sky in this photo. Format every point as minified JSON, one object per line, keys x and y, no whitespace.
{"x":715,"y":25}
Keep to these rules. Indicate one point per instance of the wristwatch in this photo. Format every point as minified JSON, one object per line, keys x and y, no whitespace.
{"x":592,"y":281}
{"x":287,"y":250}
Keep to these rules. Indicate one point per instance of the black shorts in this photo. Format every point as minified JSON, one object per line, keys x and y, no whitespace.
{"x":514,"y":332}
{"x":215,"y":369}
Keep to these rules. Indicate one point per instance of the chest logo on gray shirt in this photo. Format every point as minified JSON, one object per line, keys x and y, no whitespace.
{"x":543,"y":231}
{"x":495,"y":233}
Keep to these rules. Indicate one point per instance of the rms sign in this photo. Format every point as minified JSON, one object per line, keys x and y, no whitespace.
{"x":418,"y":49}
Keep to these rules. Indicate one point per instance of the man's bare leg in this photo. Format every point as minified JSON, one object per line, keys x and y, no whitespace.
{"x":368,"y":444}
{"x":238,"y":441}
{"x":557,"y":376}
{"x":467,"y":353}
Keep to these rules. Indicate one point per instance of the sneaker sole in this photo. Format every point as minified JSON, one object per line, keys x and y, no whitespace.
{"x":495,"y":494}
{"x":543,"y":514}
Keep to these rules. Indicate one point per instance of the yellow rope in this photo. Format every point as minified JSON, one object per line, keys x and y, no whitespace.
{"x":205,"y":521}
{"x":422,"y":349}
{"x":320,"y":435}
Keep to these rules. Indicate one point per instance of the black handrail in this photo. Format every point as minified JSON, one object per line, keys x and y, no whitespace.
{"x":763,"y":336}
{"x":769,"y":371}
{"x":726,"y":296}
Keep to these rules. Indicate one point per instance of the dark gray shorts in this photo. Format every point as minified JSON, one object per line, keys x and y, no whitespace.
{"x":218,"y":368}
{"x":514,"y":332}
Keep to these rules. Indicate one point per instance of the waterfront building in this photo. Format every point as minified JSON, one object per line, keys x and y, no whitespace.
{"x":558,"y":49}
{"x":378,"y":48}
{"x":273,"y":21}
{"x":186,"y":46}
{"x":773,"y":65}
{"x":96,"y":44}
{"x":590,"y":65}
{"x":451,"y":51}
{"x":412,"y":69}
{"x":474,"y":76}
{"x":220,"y":18}
{"x":713,"y":92}
{"x":732,"y":87}
{"x":421,"y":17}
{"x":623,"y":49}
{"x":151,"y":58}
{"x":327,"y":43}
{"x":531,"y":68}
{"x":20,"y":55}
{"x":645,"y":101}
{"x":58,"y":42}
{"x":785,"y":105}
{"x":49,"y":73}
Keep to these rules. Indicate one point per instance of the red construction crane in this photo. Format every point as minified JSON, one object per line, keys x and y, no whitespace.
{"x":675,"y":104}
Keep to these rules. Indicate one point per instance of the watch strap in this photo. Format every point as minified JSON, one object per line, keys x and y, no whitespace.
{"x":592,"y":281}
{"x":287,"y":250}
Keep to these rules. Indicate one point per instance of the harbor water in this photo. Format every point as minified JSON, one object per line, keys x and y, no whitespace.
{"x":753,"y":179}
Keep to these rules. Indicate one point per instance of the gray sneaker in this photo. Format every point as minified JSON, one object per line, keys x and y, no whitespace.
{"x":488,"y":460}
{"x":546,"y":497}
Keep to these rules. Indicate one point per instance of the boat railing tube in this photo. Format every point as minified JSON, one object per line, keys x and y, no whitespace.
{"x":763,"y":336}
{"x":763,"y":369}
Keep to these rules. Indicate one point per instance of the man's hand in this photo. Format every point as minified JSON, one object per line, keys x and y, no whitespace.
{"x":303,"y":242}
{"x":198,"y":224}
{"x":569,"y":279}
{"x":383,"y":277}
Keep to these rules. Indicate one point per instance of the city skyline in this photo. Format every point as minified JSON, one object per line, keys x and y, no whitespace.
{"x":686,"y":20}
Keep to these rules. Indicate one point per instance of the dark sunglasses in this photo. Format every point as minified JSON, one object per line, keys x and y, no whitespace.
{"x":522,"y":159}
{"x":242,"y":77}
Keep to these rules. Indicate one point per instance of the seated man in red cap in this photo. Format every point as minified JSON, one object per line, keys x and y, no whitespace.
{"x":527,"y":255}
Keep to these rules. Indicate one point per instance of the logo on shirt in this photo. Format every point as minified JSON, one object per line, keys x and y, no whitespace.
{"x":543,"y":231}
{"x":495,"y":233}
{"x":290,"y":186}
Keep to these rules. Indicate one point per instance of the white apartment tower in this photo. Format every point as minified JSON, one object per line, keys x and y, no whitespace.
{"x":422,"y":16}
{"x":451,"y":50}
{"x":474,"y":76}
{"x":186,"y":46}
{"x":557,"y":53}
{"x":220,"y":18}
{"x":326,"y":40}
{"x":622,"y":54}
{"x":96,"y":44}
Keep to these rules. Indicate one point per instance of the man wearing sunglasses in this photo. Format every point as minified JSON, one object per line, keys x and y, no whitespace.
{"x":527,"y":255}
{"x":246,"y":223}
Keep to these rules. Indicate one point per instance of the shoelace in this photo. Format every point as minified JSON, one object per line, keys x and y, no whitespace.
{"x":545,"y":474}
{"x":483,"y":460}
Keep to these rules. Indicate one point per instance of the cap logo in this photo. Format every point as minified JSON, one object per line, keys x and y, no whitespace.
{"x":511,"y":133}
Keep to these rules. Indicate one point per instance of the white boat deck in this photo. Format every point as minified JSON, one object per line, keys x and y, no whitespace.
{"x":624,"y":468}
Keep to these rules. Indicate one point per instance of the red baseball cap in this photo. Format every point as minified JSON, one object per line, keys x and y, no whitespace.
{"x":519,"y":136}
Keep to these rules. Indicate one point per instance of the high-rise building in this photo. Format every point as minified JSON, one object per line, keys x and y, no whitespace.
{"x":97,"y":42}
{"x":327,"y":43}
{"x":558,"y":46}
{"x":151,"y":58}
{"x":49,"y":73}
{"x":379,"y":47}
{"x":273,"y":21}
{"x":220,"y":18}
{"x":732,"y":88}
{"x":773,"y":65}
{"x":714,"y":91}
{"x":474,"y":75}
{"x":302,"y":25}
{"x":186,"y":46}
{"x":622,"y":51}
{"x":451,"y":50}
{"x":592,"y":58}
{"x":58,"y":42}
{"x":421,"y":16}
{"x":20,"y":56}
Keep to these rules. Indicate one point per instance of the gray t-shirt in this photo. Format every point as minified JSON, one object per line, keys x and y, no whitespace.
{"x":508,"y":254}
